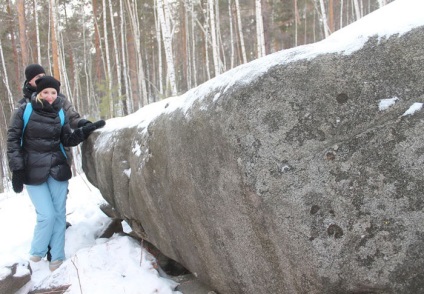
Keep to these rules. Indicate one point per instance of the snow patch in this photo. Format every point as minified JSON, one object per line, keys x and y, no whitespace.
{"x":127,"y":172}
{"x":414,"y":108}
{"x":386,"y":103}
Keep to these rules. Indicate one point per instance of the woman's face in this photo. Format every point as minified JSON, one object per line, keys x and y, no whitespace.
{"x":49,"y":94}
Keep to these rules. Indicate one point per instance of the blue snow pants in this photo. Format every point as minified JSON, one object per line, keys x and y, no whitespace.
{"x":49,"y":200}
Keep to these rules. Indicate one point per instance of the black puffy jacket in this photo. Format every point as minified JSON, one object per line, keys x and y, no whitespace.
{"x":75,"y":119}
{"x":40,"y":154}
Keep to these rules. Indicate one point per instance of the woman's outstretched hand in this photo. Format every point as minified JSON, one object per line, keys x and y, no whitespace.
{"x":89,"y":128}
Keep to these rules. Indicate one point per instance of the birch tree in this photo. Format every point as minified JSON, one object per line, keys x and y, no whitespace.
{"x":167,"y":41}
{"x":232,"y":52}
{"x":240,"y":32}
{"x":356,"y":6}
{"x":222,"y":53}
{"x":214,"y":44}
{"x":117,"y":61}
{"x":5,"y":79}
{"x":260,"y":29}
{"x":187,"y":43}
{"x":159,"y":53}
{"x":193,"y":44}
{"x":128,"y":106}
{"x":324,"y":19}
{"x":132,"y":8}
{"x":296,"y":22}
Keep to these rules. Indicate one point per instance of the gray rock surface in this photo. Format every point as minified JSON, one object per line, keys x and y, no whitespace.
{"x":292,"y":182}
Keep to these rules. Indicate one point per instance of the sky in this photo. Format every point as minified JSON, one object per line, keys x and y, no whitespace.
{"x":119,"y":264}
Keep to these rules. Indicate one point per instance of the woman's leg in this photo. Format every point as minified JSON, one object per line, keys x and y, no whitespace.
{"x":40,"y":197}
{"x":59,"y":191}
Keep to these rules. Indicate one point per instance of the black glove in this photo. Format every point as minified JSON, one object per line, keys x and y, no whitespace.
{"x":83,"y":122}
{"x":18,"y":178}
{"x":88,"y":129}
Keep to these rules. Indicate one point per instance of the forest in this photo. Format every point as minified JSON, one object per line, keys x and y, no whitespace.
{"x":114,"y":57}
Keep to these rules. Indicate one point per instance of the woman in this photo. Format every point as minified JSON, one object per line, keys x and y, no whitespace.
{"x":37,"y":160}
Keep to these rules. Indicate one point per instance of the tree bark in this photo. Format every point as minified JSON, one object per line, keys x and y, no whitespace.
{"x":167,"y":41}
{"x":117,"y":60}
{"x":37,"y":32}
{"x":128,"y":106}
{"x":240,"y":32}
{"x":260,"y":29}
{"x":55,"y":50}
{"x":6,"y":80}
{"x":324,"y":19}
{"x":214,"y":44}
{"x":356,"y":6}
{"x":20,"y":5}
{"x":331,"y":16}
{"x":139,"y":59}
{"x":159,"y":49}
{"x":232,"y":51}
{"x":107,"y":62}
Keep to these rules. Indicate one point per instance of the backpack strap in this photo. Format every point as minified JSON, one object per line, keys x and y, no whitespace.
{"x":62,"y":116}
{"x":27,"y":114}
{"x":62,"y":122}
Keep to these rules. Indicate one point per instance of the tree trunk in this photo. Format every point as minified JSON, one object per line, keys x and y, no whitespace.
{"x":117,"y":61}
{"x":159,"y":49}
{"x":240,"y":32}
{"x":230,"y":17}
{"x":37,"y":32}
{"x":55,"y":50}
{"x":109,"y":81}
{"x":221,"y":54}
{"x":357,"y":9}
{"x":260,"y":29}
{"x":127,"y":99}
{"x":139,"y":58}
{"x":187,"y":45}
{"x":324,"y":19}
{"x":167,"y":41}
{"x":193,"y":44}
{"x":97,"y":44}
{"x":214,"y":44}
{"x":331,"y":16}
{"x":296,"y":22}
{"x":6,"y":80}
{"x":16,"y":64}
{"x":20,"y":4}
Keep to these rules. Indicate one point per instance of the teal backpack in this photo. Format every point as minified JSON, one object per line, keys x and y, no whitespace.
{"x":27,"y":114}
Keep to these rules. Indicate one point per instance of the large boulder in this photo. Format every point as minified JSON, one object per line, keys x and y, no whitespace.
{"x":301,"y":172}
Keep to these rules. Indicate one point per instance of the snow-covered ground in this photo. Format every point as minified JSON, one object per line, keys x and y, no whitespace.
{"x":115,"y":265}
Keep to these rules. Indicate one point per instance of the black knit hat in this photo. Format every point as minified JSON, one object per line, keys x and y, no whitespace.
{"x":47,"y":82}
{"x":32,"y":70}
